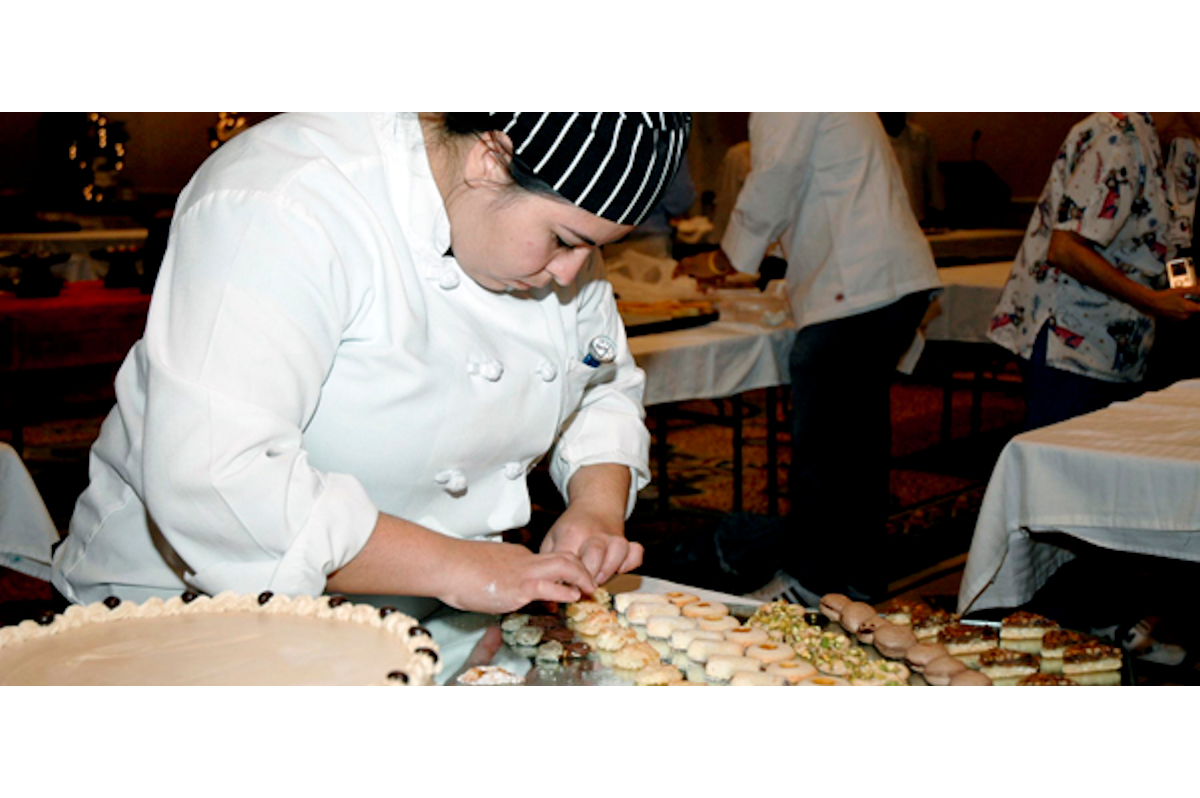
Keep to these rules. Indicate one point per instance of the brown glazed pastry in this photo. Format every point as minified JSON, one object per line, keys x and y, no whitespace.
{"x":866,"y":629}
{"x":832,"y":605}
{"x":921,"y":654}
{"x":940,"y":671}
{"x":853,"y":614}
{"x":894,"y":641}
{"x":970,"y":678}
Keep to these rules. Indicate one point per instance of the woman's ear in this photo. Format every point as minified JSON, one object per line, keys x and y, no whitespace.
{"x":488,"y":159}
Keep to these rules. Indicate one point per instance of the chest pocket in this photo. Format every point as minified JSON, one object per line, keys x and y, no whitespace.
{"x":579,"y":377}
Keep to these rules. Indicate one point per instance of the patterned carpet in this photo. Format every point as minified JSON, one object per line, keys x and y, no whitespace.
{"x":936,"y":487}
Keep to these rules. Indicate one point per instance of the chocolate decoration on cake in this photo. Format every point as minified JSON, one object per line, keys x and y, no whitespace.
{"x":386,"y":611}
{"x":265,"y":596}
{"x":336,"y":601}
{"x":419,"y":630}
{"x":189,"y":596}
{"x":112,"y":602}
{"x":428,"y":651}
{"x":46,"y":618}
{"x":398,"y":676}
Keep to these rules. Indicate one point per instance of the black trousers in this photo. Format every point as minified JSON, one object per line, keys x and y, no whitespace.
{"x":842,"y":372}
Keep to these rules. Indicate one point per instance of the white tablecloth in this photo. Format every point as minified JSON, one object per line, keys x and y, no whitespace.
{"x":964,"y":309}
{"x":714,"y":361}
{"x":26,"y":530}
{"x":79,"y":243}
{"x":1125,"y":478}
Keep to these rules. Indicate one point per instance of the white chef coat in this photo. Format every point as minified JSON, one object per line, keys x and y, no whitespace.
{"x":312,"y":357}
{"x":829,"y":188}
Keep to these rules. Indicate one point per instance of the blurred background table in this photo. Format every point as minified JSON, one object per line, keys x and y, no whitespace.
{"x":974,"y":246}
{"x":719,"y":361}
{"x":1125,"y":478}
{"x":56,"y":349}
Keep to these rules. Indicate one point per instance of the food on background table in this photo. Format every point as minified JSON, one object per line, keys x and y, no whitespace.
{"x":640,"y":611}
{"x":658,"y":675}
{"x":718,"y":623}
{"x":770,"y":653}
{"x":747,"y":635}
{"x":661,"y":627}
{"x":824,"y":681}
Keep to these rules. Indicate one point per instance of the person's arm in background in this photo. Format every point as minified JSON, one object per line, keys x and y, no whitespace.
{"x":780,"y":146}
{"x":1078,"y":257}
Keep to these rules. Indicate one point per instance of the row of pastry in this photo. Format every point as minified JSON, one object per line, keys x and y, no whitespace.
{"x":1026,"y":649}
{"x":675,"y":638}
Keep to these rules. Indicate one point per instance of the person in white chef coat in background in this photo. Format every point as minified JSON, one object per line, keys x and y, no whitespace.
{"x":366,"y":331}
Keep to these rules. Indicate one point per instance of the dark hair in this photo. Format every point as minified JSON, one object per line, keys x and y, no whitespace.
{"x":476,"y":123}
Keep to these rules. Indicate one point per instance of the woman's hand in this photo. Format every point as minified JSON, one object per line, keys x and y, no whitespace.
{"x":593,"y":525}
{"x":502,"y":577}
{"x":601,"y":548}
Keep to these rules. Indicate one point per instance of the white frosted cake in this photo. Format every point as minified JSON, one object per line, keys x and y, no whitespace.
{"x":228,"y":639}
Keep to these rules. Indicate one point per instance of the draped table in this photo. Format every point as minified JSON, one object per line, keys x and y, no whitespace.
{"x":719,"y":360}
{"x":1125,"y":478}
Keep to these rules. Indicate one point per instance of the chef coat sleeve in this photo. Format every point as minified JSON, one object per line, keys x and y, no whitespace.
{"x":245,"y":325}
{"x":780,"y":148}
{"x":1099,"y":186}
{"x":608,"y":425}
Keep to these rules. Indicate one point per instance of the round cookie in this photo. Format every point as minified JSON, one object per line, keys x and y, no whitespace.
{"x":755,"y":679}
{"x":769,"y":652}
{"x":866,"y":628}
{"x":793,"y":671}
{"x":970,"y":678}
{"x":824,"y":681}
{"x":656,"y":675}
{"x":894,"y":641}
{"x":853,"y":614}
{"x":704,"y":609}
{"x":941,"y":670}
{"x":921,"y":654}
{"x":747,"y":635}
{"x":832,"y":605}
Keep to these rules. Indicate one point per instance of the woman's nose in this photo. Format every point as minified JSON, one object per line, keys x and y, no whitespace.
{"x":566,"y":267}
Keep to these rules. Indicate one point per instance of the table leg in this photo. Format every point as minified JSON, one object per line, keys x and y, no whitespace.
{"x":736,"y":403}
{"x":662,"y":455}
{"x":772,"y":451}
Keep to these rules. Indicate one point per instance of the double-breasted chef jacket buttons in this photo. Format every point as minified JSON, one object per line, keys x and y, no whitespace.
{"x":514,"y":470}
{"x":488,"y":368}
{"x":547,"y":371}
{"x":452,"y":479}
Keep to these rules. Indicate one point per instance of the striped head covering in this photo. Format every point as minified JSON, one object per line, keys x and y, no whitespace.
{"x":613,"y":164}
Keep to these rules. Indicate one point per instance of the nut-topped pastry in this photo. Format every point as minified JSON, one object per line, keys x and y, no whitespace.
{"x":1055,"y":644}
{"x":927,"y":626}
{"x":967,"y":641}
{"x":1005,"y":666}
{"x":1023,"y":631}
{"x":1093,"y":663}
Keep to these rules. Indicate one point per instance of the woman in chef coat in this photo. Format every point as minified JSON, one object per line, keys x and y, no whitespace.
{"x":366,"y":331}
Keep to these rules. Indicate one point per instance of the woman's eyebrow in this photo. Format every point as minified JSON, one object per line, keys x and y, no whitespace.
{"x":580,"y":236}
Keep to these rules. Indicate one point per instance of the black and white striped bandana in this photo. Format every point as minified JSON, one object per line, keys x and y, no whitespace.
{"x":613,"y":164}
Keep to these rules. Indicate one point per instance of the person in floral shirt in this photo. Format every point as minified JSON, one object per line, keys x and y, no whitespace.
{"x":1090,"y":280}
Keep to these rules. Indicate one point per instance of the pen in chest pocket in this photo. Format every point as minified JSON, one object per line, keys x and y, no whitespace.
{"x":601,"y":350}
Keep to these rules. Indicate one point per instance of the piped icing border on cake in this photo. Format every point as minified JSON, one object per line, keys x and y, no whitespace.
{"x":425,"y":658}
